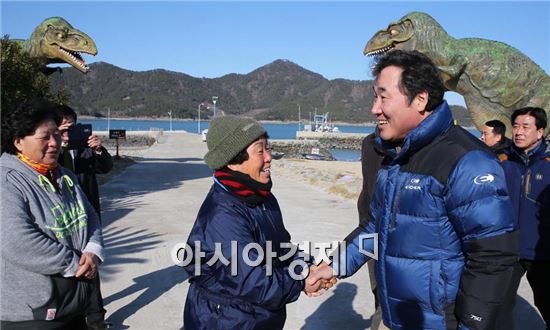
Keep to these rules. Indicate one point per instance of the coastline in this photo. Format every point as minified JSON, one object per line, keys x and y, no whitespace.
{"x":368,"y":124}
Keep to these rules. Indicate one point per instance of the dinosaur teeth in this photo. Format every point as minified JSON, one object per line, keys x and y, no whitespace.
{"x":75,"y":57}
{"x":380,"y":51}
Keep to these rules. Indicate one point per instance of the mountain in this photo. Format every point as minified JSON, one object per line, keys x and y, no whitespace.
{"x":271,"y":92}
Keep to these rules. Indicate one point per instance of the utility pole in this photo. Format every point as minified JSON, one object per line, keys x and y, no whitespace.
{"x":299,"y":119}
{"x":214,"y":100}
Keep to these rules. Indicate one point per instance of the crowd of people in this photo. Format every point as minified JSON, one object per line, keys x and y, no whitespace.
{"x":455,"y":222}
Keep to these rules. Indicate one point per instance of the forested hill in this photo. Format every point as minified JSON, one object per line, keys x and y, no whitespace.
{"x":271,"y":92}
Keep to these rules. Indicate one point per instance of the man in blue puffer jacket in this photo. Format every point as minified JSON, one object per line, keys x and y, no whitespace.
{"x":447,"y":243}
{"x":527,"y":168}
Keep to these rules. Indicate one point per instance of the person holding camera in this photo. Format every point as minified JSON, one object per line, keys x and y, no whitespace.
{"x":86,"y":163}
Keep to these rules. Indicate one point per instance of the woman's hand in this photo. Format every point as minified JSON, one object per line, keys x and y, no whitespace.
{"x":88,"y":266}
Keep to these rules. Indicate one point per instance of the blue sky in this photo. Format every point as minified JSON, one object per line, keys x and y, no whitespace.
{"x":211,"y":39}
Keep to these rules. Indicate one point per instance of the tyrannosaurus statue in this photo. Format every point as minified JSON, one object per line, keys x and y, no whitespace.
{"x":494,"y":78}
{"x":56,"y":41}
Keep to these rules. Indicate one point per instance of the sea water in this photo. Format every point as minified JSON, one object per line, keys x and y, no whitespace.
{"x":276,"y":131}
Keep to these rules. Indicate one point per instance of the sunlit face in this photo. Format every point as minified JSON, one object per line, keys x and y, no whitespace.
{"x":395,"y":116}
{"x":258,"y":164}
{"x":63,"y":128}
{"x":43,"y":145}
{"x":525,"y":133}
{"x":489,"y":137}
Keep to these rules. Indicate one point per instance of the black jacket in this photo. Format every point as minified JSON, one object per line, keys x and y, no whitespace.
{"x":372,"y":158}
{"x":87,"y":164}
{"x":503,"y":146}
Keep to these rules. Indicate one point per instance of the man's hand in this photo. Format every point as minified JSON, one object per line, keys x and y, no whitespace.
{"x":64,"y":130}
{"x":88,"y":266}
{"x":319,"y":280}
{"x":94,"y":142}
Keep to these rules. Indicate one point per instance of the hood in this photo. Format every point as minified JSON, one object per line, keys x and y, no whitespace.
{"x":11,"y":162}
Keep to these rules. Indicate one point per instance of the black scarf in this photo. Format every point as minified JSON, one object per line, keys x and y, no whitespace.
{"x":243,"y":186}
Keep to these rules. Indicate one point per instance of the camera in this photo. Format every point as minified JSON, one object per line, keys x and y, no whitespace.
{"x":78,"y":136}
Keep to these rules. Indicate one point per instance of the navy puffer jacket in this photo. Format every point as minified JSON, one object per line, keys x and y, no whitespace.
{"x":446,"y":236}
{"x":528,"y":178}
{"x":250,"y":299}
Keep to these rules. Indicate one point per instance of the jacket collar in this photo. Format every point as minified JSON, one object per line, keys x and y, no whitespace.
{"x":539,"y":152}
{"x":437,"y":123}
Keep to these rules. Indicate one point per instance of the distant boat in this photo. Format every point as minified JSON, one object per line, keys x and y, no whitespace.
{"x":321,"y":124}
{"x":277,"y":154}
{"x":314,"y":157}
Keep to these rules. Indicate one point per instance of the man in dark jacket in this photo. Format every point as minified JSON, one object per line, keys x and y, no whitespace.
{"x":86,"y":163}
{"x":527,"y":169}
{"x":493,"y":134}
{"x":446,"y":240}
{"x":372,"y":158}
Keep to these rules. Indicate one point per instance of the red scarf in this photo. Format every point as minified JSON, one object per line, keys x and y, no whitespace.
{"x":243,"y":186}
{"x":51,"y":172}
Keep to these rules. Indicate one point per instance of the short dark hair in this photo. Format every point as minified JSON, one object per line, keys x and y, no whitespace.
{"x":419,"y":74}
{"x":242,"y":156}
{"x":24,"y":119}
{"x":66,"y":111}
{"x":498,"y":126}
{"x":537,"y":113}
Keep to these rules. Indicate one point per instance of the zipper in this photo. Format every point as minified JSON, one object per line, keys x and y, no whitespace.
{"x":394,"y":210}
{"x":527,"y":183}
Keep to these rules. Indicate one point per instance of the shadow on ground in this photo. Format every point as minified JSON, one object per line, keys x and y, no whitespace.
{"x":122,"y":195}
{"x":337,"y":311}
{"x":154,"y":284}
{"x":121,"y":244}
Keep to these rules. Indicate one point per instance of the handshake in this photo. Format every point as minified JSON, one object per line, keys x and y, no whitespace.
{"x":320,"y":279}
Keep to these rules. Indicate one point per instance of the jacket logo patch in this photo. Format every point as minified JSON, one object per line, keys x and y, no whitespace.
{"x":485,"y":178}
{"x":476,"y":318}
{"x":414,"y":184}
{"x":538,"y":176}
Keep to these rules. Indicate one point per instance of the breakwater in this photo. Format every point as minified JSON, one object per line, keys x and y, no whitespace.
{"x":348,"y":141}
{"x":317,"y":143}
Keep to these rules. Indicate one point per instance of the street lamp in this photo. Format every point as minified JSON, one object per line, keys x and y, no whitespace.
{"x":214,"y":100}
{"x":199,"y":123}
{"x":299,"y":117}
{"x":170,"y":113}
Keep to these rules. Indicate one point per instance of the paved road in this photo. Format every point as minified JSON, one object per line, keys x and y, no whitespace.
{"x":152,"y":206}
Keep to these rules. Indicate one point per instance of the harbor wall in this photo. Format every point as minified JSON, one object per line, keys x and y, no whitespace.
{"x":318,"y":143}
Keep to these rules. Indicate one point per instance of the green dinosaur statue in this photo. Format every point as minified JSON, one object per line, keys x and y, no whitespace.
{"x":494,"y":78}
{"x":56,"y":41}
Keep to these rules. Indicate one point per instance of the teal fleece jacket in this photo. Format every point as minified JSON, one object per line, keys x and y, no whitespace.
{"x":43,"y":233}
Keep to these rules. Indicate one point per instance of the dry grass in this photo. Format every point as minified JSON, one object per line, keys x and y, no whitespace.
{"x":343,"y":191}
{"x":339,"y":178}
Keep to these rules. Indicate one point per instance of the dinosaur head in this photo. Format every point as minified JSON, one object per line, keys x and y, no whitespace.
{"x":56,"y":41}
{"x":405,"y":34}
